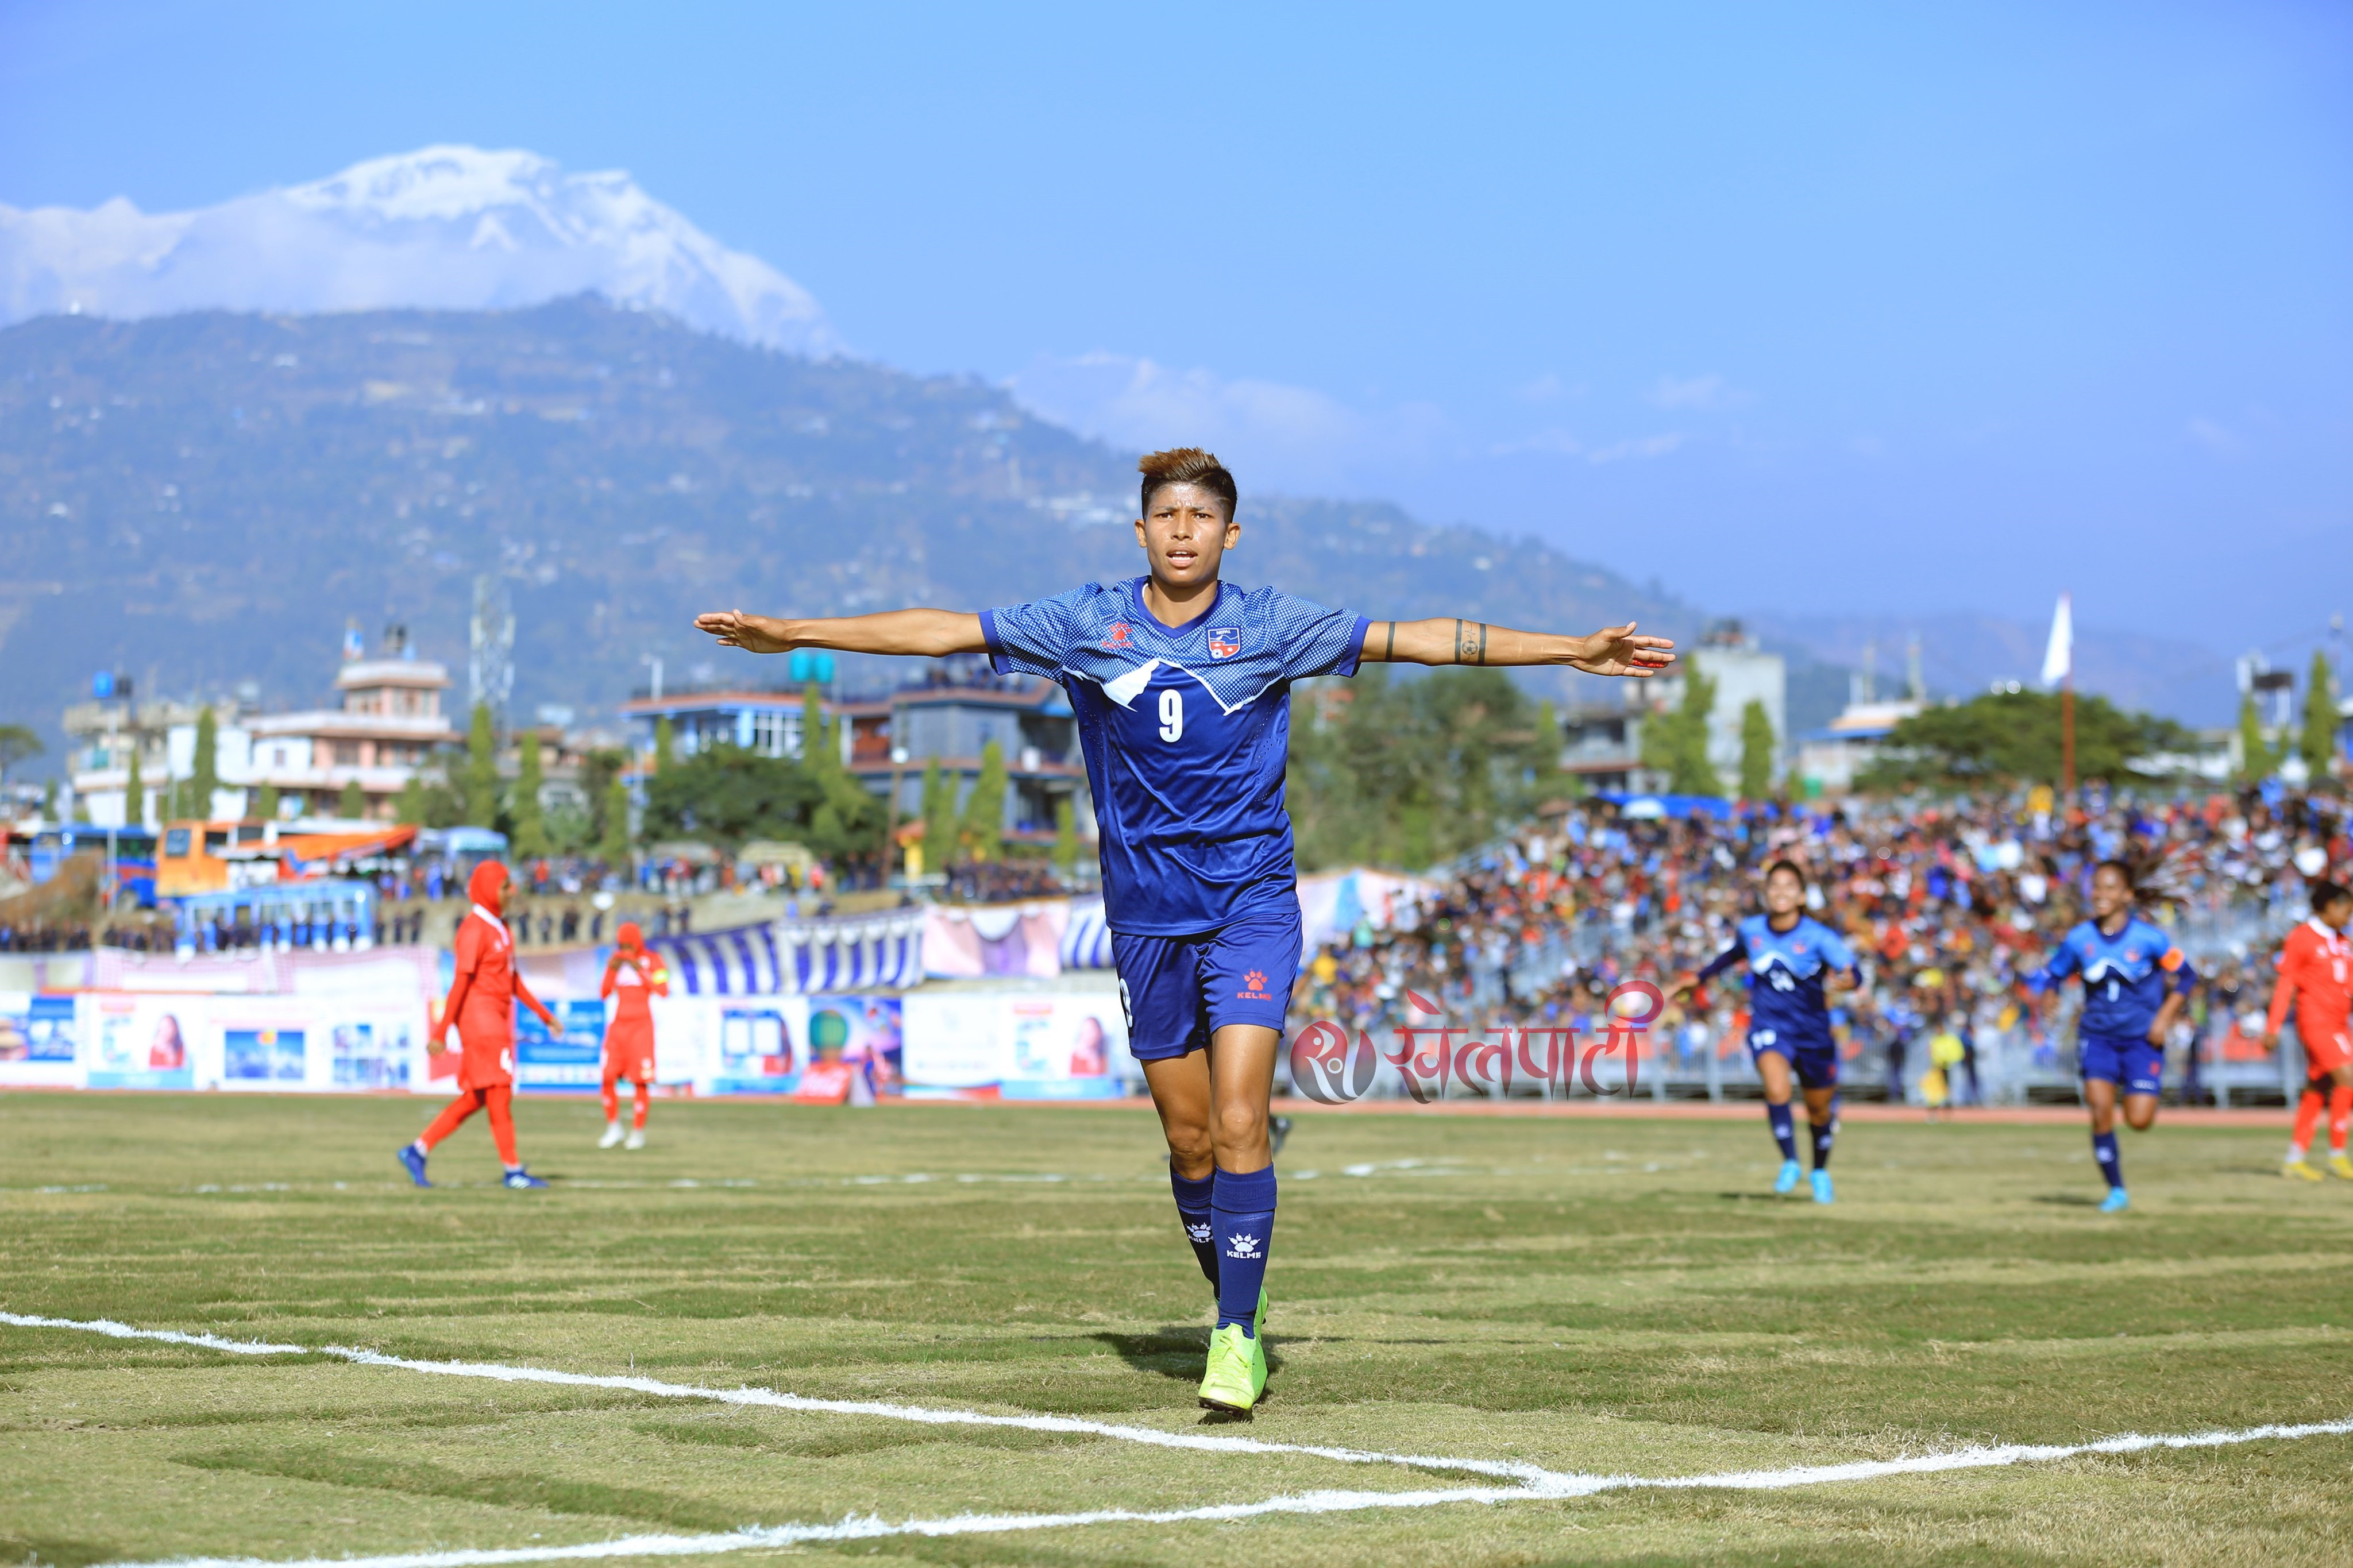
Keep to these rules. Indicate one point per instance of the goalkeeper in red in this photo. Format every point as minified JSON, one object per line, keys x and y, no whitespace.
{"x":634,"y":977}
{"x":1181,"y":684}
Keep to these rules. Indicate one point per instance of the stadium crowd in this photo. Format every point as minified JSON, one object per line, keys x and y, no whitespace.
{"x":1947,"y":906}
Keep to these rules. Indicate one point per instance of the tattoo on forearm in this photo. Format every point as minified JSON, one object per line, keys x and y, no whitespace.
{"x":1389,"y":644}
{"x":1482,"y":644}
{"x":1466,"y":651}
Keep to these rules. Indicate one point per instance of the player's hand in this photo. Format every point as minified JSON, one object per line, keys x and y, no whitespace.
{"x":753,"y":633}
{"x":435,"y":1045}
{"x":1616,"y":651}
{"x":1684,"y":984}
{"x":2270,"y":1038}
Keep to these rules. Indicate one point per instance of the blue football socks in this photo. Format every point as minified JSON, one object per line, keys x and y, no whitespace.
{"x":1193,"y":1209}
{"x":1784,"y":1129}
{"x":1825,"y":1134}
{"x":2111,"y":1165}
{"x":1241,"y":1216}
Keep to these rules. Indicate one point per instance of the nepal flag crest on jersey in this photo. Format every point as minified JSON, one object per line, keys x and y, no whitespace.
{"x":1225,"y":641}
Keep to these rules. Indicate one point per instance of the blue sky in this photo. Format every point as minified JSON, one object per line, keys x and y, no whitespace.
{"x":1815,"y":309}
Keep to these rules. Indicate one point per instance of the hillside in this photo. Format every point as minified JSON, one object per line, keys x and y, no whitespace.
{"x":204,"y":499}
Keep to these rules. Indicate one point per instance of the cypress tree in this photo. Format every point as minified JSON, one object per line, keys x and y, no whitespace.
{"x":530,"y":822}
{"x":204,"y":777}
{"x":482,"y":770}
{"x":984,"y":809}
{"x":1757,"y":745}
{"x":2318,"y":743}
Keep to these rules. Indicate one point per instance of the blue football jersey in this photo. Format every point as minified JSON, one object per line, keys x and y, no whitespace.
{"x":1786,"y":970}
{"x":1185,"y":732}
{"x":2125,"y":977}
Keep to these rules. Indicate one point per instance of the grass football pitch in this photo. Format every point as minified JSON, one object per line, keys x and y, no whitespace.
{"x":1591,"y":1296}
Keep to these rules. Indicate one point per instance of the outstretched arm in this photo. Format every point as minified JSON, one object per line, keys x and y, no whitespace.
{"x":926,"y":633}
{"x":1612,"y":650}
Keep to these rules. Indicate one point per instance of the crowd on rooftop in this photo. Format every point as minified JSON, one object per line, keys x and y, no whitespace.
{"x":1947,"y":905}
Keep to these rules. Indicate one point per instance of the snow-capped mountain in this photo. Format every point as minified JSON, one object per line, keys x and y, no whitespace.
{"x":450,"y":227}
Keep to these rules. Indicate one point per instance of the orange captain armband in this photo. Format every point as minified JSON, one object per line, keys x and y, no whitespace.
{"x":2171,"y":961}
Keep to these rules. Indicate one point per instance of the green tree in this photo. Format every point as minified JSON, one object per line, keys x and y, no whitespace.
{"x":2258,"y":758}
{"x":2317,"y":742}
{"x":613,"y":833}
{"x":530,"y":822}
{"x":727,"y":795}
{"x":2003,"y":736}
{"x":134,"y":794}
{"x":984,"y":808}
{"x":597,"y":771}
{"x":1409,"y":772}
{"x":1066,"y":834}
{"x":481,"y":774}
{"x":846,"y":823}
{"x":204,"y":776}
{"x":1757,"y":748}
{"x":409,"y":810}
{"x":665,"y":743}
{"x":941,"y":827}
{"x":1675,"y":742}
{"x":352,"y":806}
{"x":266,"y":807}
{"x":49,"y":801}
{"x":17,"y":742}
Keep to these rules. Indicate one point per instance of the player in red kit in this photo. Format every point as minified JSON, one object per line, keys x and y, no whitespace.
{"x":2316,"y":975}
{"x":636,"y":977}
{"x":481,"y":1003}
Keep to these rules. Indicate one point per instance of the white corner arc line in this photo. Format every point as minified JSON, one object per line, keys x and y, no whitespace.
{"x":1314,"y":1502}
{"x":770,"y":1399}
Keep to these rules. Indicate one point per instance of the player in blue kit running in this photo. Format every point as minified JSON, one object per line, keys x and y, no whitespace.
{"x":1181,"y":684}
{"x":1792,"y":961}
{"x":2135,"y":984}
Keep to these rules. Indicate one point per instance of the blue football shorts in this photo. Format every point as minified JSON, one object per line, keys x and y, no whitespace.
{"x":2126,"y":1060}
{"x":1814,"y":1059}
{"x":1178,"y":990}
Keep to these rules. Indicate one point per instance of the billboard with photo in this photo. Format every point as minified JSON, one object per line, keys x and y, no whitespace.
{"x":1035,"y":1045}
{"x":867,"y":1032}
{"x":144,"y":1041}
{"x":756,"y":1045}
{"x":38,"y":1041}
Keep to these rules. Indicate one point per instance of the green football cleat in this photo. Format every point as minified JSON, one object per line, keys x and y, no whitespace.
{"x":1257,"y":1319}
{"x":1237,"y":1375}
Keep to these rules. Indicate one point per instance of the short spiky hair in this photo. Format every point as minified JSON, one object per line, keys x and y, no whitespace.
{"x":1186,"y":466}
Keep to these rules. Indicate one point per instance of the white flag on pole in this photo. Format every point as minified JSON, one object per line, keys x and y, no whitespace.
{"x":2059,"y":657}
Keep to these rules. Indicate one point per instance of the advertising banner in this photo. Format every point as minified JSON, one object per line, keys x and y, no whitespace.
{"x":572,"y":1059}
{"x":866,"y":1032}
{"x":756,"y":1045}
{"x":1037,"y":1045}
{"x":143,"y":1042}
{"x":38,"y":1041}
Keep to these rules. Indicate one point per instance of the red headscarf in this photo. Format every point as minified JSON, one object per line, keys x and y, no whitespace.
{"x":487,"y":886}
{"x":630,"y":938}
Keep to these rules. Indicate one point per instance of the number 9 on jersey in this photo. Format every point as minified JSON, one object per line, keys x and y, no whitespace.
{"x":1172,"y":714}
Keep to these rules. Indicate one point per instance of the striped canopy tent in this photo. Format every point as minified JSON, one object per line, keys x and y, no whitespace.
{"x":856,"y":953}
{"x":1086,"y":940}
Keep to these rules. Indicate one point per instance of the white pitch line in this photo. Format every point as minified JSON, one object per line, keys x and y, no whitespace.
{"x":1537,"y":1484}
{"x":770,"y":1399}
{"x":1314,"y":1502}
